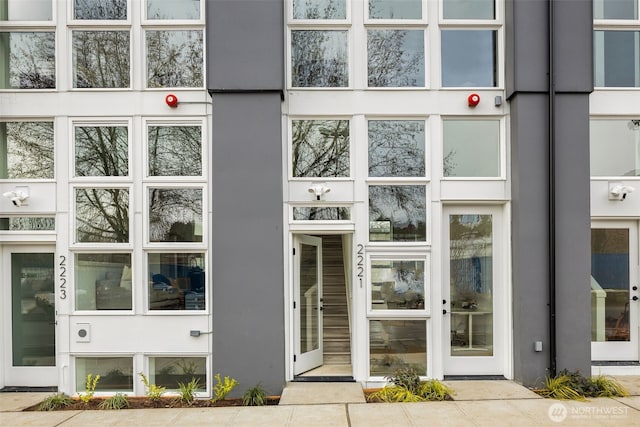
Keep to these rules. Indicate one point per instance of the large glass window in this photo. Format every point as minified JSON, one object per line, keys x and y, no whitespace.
{"x":26,"y":10}
{"x":320,"y":148}
{"x":100,"y":9}
{"x":175,"y":215}
{"x":27,"y":60}
{"x":102,"y":215}
{"x":471,"y":284}
{"x":615,"y":147}
{"x":101,"y":151}
{"x":395,"y":58}
{"x":395,"y":9}
{"x":615,"y":9}
{"x":617,"y":58}
{"x":173,"y":9}
{"x":168,"y":372}
{"x":468,"y":9}
{"x":395,"y":344}
{"x":610,"y":276}
{"x":469,"y":58}
{"x":103,"y":281}
{"x":334,"y":213}
{"x":26,"y":150}
{"x":319,"y":9}
{"x":176,"y":281}
{"x":319,"y":58}
{"x":174,"y":58}
{"x":397,"y":284}
{"x":116,"y":373}
{"x":397,"y":213}
{"x":101,"y":59}
{"x":471,"y":148}
{"x":175,"y":150}
{"x":396,"y":148}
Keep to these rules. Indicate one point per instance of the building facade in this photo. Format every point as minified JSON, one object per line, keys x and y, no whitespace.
{"x":322,"y":190}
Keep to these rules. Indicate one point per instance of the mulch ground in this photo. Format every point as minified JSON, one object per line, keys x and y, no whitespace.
{"x":140,"y":402}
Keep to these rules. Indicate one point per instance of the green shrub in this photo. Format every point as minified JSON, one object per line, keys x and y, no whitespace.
{"x":117,"y":401}
{"x":90,"y":388}
{"x":406,"y":386}
{"x":153,"y":391}
{"x":56,"y":401}
{"x":569,"y":385}
{"x":222,"y":387}
{"x":255,"y":396}
{"x":188,"y":391}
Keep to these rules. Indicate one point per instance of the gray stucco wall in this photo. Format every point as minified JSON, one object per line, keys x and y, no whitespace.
{"x":245,"y":44}
{"x":247,"y":242}
{"x":245,"y":74}
{"x":529,"y":93}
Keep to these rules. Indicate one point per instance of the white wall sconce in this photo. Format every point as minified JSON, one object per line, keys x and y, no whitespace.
{"x":319,"y":190}
{"x":19,"y":196}
{"x":619,"y":192}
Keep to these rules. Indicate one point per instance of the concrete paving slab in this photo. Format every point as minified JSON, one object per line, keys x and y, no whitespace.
{"x":36,"y":419}
{"x":495,"y":412}
{"x":378,"y":414}
{"x":320,"y":416}
{"x":487,"y":390}
{"x":630,"y":382}
{"x":20,"y":401}
{"x":631,"y":401}
{"x":263,"y":416}
{"x":594,"y":412}
{"x":160,"y":417}
{"x":436,"y":413}
{"x":201,"y":417}
{"x":309,"y":393}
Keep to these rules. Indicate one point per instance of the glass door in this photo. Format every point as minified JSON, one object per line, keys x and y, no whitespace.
{"x":29,"y":312}
{"x":307,"y":305}
{"x":473,"y":293}
{"x":614,"y":291}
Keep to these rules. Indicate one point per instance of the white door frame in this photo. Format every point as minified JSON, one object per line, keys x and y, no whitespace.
{"x":497,"y":364}
{"x":27,"y":376}
{"x":305,"y":361}
{"x":620,"y":350}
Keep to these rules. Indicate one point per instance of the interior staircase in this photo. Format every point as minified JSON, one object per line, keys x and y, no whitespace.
{"x":335,"y":329}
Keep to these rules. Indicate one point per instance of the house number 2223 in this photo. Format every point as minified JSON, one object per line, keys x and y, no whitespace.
{"x":63,"y":277}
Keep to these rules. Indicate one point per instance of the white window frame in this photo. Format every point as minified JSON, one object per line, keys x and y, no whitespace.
{"x":498,"y":10}
{"x":146,"y":21}
{"x":200,"y":394}
{"x":398,"y":21}
{"x":74,"y":371}
{"x":292,"y":21}
{"x":98,"y":22}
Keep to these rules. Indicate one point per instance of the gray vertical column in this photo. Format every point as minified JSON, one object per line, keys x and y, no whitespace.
{"x":245,"y":59}
{"x":550,"y":183}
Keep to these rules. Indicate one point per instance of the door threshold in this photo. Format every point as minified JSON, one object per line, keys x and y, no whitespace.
{"x":19,"y":389}
{"x":324,"y":379}
{"x":615,"y":363}
{"x":474,"y":378}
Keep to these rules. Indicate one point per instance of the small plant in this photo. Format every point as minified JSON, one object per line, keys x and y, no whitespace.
{"x":55,"y":401}
{"x":574,"y":386}
{"x":117,"y":401}
{"x":90,"y":388}
{"x":188,"y":391}
{"x":255,"y":396}
{"x":406,"y":386}
{"x":153,"y":392}
{"x":222,"y":387}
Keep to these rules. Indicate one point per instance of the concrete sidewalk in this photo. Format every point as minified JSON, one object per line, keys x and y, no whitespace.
{"x":478,"y":403}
